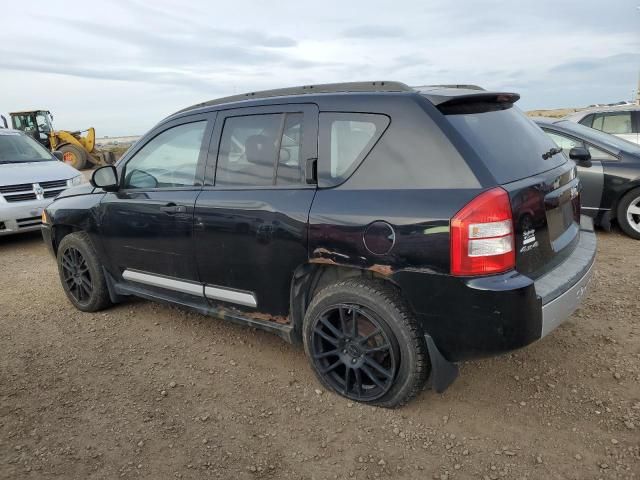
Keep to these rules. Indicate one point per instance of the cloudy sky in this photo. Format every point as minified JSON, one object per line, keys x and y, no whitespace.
{"x":121,"y":66}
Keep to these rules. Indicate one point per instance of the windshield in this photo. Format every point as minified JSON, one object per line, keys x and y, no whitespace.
{"x":508,"y":142}
{"x":18,"y":148}
{"x":598,"y":136}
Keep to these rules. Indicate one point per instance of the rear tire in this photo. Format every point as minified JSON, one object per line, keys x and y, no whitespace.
{"x":628,"y":213}
{"x":383,"y":361}
{"x":74,"y":156}
{"x":81,"y":274}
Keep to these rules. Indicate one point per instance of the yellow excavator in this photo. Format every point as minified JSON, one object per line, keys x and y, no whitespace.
{"x":77,"y":150}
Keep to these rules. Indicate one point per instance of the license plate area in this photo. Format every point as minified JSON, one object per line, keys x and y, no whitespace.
{"x":562,"y":207}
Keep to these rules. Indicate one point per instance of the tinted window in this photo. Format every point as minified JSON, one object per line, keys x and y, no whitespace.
{"x":169,"y":160}
{"x":290,"y":166}
{"x":508,"y":142}
{"x":617,"y":123}
{"x":251,"y":145}
{"x":344,"y":140}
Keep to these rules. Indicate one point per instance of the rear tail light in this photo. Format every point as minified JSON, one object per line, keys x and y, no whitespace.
{"x":482,"y":241}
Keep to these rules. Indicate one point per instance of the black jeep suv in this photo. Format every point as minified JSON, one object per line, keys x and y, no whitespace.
{"x":393,"y":230}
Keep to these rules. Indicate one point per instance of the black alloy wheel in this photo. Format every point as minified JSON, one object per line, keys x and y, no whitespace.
{"x":76,"y":275}
{"x":353,"y":352}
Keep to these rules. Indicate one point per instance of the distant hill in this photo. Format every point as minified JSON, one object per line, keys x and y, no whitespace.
{"x":553,"y":113}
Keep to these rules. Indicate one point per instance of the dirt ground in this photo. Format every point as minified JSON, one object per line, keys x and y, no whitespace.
{"x":145,"y":390}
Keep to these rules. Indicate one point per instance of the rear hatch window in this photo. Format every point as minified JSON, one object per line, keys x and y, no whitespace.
{"x":510,"y":144}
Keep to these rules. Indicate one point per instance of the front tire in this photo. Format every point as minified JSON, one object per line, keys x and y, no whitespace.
{"x":81,"y":274}
{"x":628,"y":213}
{"x":74,"y":156}
{"x":363,"y":343}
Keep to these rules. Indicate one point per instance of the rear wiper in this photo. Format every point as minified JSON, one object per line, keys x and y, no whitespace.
{"x":551,"y":153}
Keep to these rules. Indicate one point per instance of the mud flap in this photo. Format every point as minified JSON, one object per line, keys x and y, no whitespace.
{"x":605,"y":221}
{"x":443,"y":372}
{"x":113,"y":295}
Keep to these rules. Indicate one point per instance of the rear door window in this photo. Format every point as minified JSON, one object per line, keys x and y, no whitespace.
{"x":615,"y":123}
{"x":248,"y":150}
{"x":344,"y":141}
{"x":261,"y":150}
{"x":508,"y":142}
{"x":290,"y":165}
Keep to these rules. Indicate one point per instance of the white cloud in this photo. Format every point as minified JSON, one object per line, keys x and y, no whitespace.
{"x":123,"y":67}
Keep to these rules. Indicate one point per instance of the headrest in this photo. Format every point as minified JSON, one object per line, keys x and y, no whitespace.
{"x":260,"y":150}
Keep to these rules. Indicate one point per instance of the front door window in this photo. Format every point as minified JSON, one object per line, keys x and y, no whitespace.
{"x":169,"y":160}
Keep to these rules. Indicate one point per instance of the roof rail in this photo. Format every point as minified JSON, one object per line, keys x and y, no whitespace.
{"x":380,"y":86}
{"x":467,"y":87}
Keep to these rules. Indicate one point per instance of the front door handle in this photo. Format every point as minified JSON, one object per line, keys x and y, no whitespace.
{"x":172,"y":208}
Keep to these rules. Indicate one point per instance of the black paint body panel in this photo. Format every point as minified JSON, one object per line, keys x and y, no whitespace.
{"x":253,"y":240}
{"x":136,"y":234}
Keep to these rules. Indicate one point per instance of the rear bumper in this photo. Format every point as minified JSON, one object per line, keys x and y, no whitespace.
{"x":562,"y":289}
{"x":486,"y":316}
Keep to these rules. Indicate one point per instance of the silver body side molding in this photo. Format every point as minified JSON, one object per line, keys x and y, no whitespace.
{"x":247,"y":299}
{"x":163,"y":282}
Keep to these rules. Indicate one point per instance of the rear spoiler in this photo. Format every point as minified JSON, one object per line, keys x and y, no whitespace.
{"x":456,"y":101}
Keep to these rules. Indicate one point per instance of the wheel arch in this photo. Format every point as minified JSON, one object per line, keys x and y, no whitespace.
{"x":624,"y":189}
{"x":59,"y":231}
{"x":311,"y":277}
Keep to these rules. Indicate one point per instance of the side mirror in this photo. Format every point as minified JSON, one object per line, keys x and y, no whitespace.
{"x":58,"y":154}
{"x":581,"y":156}
{"x":105,"y":178}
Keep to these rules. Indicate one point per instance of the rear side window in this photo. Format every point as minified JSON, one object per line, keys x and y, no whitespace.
{"x":344,"y":141}
{"x":615,"y":123}
{"x":260,"y":150}
{"x":588,"y":120}
{"x":509,"y":143}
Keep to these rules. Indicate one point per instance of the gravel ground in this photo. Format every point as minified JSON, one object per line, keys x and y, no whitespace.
{"x":145,"y":390}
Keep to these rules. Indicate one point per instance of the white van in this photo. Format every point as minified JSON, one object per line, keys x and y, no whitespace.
{"x":30,"y":178}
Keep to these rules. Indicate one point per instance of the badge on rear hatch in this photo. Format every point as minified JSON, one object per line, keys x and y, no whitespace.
{"x":529,"y":241}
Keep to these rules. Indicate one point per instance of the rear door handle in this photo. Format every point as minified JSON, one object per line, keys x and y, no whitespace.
{"x":172,"y":208}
